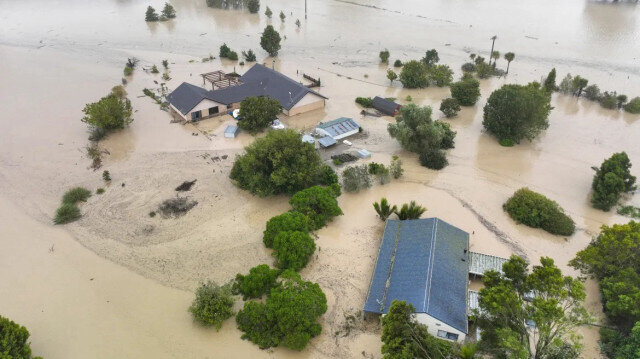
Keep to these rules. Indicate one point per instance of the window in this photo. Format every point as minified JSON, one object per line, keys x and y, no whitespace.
{"x":195,"y":116}
{"x":213,"y":110}
{"x":447,"y":335}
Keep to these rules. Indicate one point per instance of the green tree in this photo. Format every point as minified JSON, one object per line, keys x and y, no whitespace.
{"x":633,"y":106}
{"x":622,"y":99}
{"x":151,"y":14}
{"x":391,"y":75}
{"x":253,"y":6}
{"x":384,"y":56}
{"x":431,"y":58}
{"x":630,"y":348}
{"x":355,"y":178}
{"x":277,"y":163}
{"x":268,"y":12}
{"x":414,"y":75}
{"x":579,"y":83}
{"x":567,"y":85}
{"x":259,"y":281}
{"x":257,"y":113}
{"x":433,"y":158}
{"x":440,"y":75}
{"x":611,"y":180}
{"x":168,"y":12}
{"x":410,"y":211}
{"x":550,"y":81}
{"x":249,"y":56}
{"x":609,"y":100}
{"x":383,"y":209}
{"x":506,"y":307}
{"x":509,"y":56}
{"x":270,"y":41}
{"x":109,"y":113}
{"x":395,"y":167}
{"x":213,"y":304}
{"x":417,"y":132}
{"x":288,"y":317}
{"x":495,"y":55}
{"x":404,"y":338}
{"x":282,"y":16}
{"x":516,"y":112}
{"x":224,"y":51}
{"x":14,"y":340}
{"x":397,"y":63}
{"x":466,"y":91}
{"x":288,"y":221}
{"x":592,"y":92}
{"x":450,"y":107}
{"x":318,"y":203}
{"x":293,"y":249}
{"x":537,"y":211}
{"x":484,"y":70}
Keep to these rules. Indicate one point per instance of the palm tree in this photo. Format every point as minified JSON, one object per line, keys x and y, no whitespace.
{"x":493,"y":38}
{"x":383,"y":209}
{"x":495,"y":56}
{"x":410,"y":211}
{"x":509,"y":56}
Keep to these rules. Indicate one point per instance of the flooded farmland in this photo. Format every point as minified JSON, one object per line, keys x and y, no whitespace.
{"x":117,"y":283}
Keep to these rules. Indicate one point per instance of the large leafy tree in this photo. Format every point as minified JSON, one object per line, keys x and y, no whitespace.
{"x":288,"y":317}
{"x":288,"y":221}
{"x":293,"y":249}
{"x":278,"y":163}
{"x":440,"y":75}
{"x":404,"y":338}
{"x":257,"y":113}
{"x":259,"y":281}
{"x":431,"y":57}
{"x":109,"y":113}
{"x":318,"y":203}
{"x":516,"y":112}
{"x":270,"y":41}
{"x":611,"y":180}
{"x":414,"y":75}
{"x":466,"y":91}
{"x":14,"y":340}
{"x":550,"y":81}
{"x":542,"y":297}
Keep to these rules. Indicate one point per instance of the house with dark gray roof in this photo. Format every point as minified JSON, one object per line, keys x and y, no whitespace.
{"x":385,"y":106}
{"x":424,"y":262}
{"x":193,"y":103}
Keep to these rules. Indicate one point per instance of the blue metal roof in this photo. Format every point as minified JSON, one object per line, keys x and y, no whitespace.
{"x":423,"y":262}
{"x":339,"y":126}
{"x":327,"y":141}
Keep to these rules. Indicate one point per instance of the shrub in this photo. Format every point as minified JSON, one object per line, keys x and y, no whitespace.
{"x":450,"y":107}
{"x":383,"y":209}
{"x":288,"y":317}
{"x":356,"y":178}
{"x":364,"y":102}
{"x":154,"y":69}
{"x":469,"y":67}
{"x":277,"y":163}
{"x":592,"y":92}
{"x":440,"y":75}
{"x":100,"y":190}
{"x":259,"y":281}
{"x":434,"y":159}
{"x":375,"y":168}
{"x":168,"y":12}
{"x":318,"y":203}
{"x":344,"y":157}
{"x":567,"y":85}
{"x":109,"y":113}
{"x":151,"y":14}
{"x":128,"y":71}
{"x":176,"y":207}
{"x":506,"y":142}
{"x":106,"y":176}
{"x":397,"y":63}
{"x":609,"y":100}
{"x":537,"y":211}
{"x":550,"y":81}
{"x":14,"y":340}
{"x":224,"y":50}
{"x":270,"y":41}
{"x":165,"y":64}
{"x":293,"y":249}
{"x":75,"y":195}
{"x":410,"y":211}
{"x":119,"y":91}
{"x":249,"y":56}
{"x":484,"y":70}
{"x":327,"y":176}
{"x":268,"y":12}
{"x":298,"y":23}
{"x":414,"y":75}
{"x":67,"y":212}
{"x":395,"y":168}
{"x":391,"y":75}
{"x":213,"y":304}
{"x":233,"y":56}
{"x":253,"y":6}
{"x":611,"y":180}
{"x":288,"y":221}
{"x":633,"y":106}
{"x":629,"y":211}
{"x":165,"y":76}
{"x":466,"y":91}
{"x":384,"y":56}
{"x":517,"y":112}
{"x":417,"y":132}
{"x":431,"y":58}
{"x":257,"y":113}
{"x":282,"y":16}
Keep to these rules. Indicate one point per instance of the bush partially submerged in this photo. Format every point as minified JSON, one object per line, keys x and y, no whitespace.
{"x":293,"y":249}
{"x":288,"y":221}
{"x":75,"y":195}
{"x":176,"y":207}
{"x":356,"y":178}
{"x":537,"y":211}
{"x":434,"y":159}
{"x":318,"y":203}
{"x":259,"y":281}
{"x":67,"y":212}
{"x":365,"y":102}
{"x":213,"y":304}
{"x":14,"y":340}
{"x":450,"y":107}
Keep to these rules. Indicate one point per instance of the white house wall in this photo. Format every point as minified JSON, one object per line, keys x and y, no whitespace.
{"x":309,"y":102}
{"x":433,"y":325}
{"x":204,"y":106}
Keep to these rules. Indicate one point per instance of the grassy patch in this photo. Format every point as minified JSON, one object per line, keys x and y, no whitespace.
{"x":630,"y":211}
{"x":67,"y":212}
{"x":75,"y":195}
{"x":507,"y":142}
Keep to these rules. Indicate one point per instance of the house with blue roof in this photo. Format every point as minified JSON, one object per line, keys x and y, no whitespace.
{"x":424,"y":262}
{"x":193,"y":103}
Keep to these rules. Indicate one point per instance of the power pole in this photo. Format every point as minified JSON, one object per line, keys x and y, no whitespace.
{"x":493,"y":43}
{"x":305,"y":9}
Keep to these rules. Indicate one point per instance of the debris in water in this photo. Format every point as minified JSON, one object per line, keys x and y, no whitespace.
{"x":186,"y":185}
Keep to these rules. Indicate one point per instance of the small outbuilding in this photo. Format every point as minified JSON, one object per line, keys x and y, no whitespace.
{"x":231,"y":131}
{"x":362,"y":153}
{"x":339,"y":128}
{"x":326,"y":141}
{"x":308,"y":139}
{"x":385,"y":106}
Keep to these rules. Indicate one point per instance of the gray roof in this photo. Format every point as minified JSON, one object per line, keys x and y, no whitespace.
{"x":186,"y":96}
{"x":423,"y":262}
{"x":259,"y":80}
{"x":480,"y":263}
{"x":339,"y":126}
{"x":327,"y":141}
{"x":385,"y":106}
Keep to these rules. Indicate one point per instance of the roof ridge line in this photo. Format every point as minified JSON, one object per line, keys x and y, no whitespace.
{"x":393,"y":260}
{"x":427,"y":290}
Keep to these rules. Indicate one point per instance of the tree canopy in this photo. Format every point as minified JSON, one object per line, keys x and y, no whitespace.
{"x":450,"y":107}
{"x":293,"y":249}
{"x":14,"y":340}
{"x":270,"y":41}
{"x":440,"y":75}
{"x":213,"y":304}
{"x":278,"y":163}
{"x":288,"y":221}
{"x":414,"y":75}
{"x":611,"y":180}
{"x":542,"y":297}
{"x":466,"y":91}
{"x":259,"y":281}
{"x":516,"y":112}
{"x":109,"y":113}
{"x":550,"y":81}
{"x":431,"y":58}
{"x":318,"y":203}
{"x":257,"y":113}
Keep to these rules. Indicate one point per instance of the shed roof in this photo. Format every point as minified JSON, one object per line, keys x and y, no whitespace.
{"x":424,"y":262}
{"x":385,"y":106}
{"x":480,"y":263}
{"x":327,"y":141}
{"x":339,"y":126}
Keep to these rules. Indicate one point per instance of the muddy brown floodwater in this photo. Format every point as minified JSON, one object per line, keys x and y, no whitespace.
{"x":117,"y":283}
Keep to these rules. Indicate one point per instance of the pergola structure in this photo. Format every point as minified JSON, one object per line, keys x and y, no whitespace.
{"x":219,"y":79}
